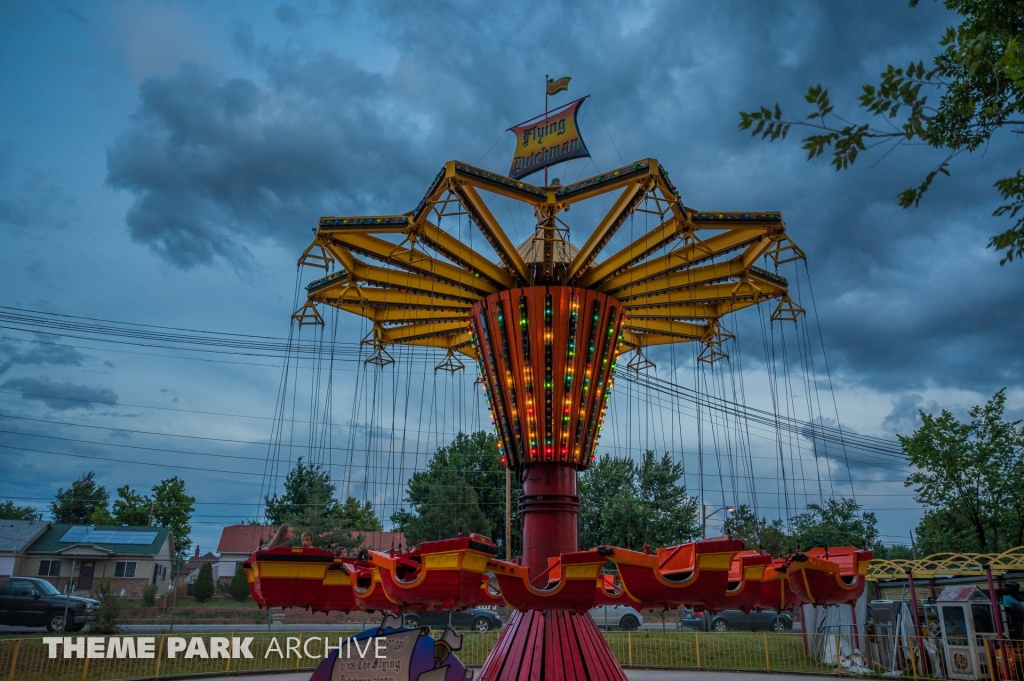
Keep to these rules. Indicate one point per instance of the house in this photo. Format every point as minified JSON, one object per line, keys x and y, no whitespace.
{"x":15,"y":537}
{"x":130,"y":557}
{"x":191,"y":570}
{"x":237,"y":542}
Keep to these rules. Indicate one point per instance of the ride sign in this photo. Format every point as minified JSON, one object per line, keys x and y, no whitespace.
{"x":394,"y":653}
{"x":555,"y":138}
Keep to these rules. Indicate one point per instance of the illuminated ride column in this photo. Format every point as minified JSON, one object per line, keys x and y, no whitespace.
{"x":547,"y":354}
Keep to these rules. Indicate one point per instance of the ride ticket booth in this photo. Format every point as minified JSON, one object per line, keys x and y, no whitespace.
{"x":965,"y":618}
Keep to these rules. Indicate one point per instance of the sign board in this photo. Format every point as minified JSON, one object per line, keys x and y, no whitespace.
{"x":555,"y":138}
{"x":394,"y":653}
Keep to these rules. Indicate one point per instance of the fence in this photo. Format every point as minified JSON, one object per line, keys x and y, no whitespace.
{"x":27,"y":659}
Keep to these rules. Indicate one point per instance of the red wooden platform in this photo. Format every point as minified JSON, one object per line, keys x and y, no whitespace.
{"x":551,"y":645}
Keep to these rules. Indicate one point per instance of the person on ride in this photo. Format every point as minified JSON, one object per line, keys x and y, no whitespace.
{"x":283,"y":537}
{"x":307,"y":540}
{"x":342,"y":552}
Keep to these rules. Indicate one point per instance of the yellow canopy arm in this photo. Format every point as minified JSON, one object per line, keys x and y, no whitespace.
{"x":630,"y":198}
{"x":413,"y":260}
{"x":492,"y":231}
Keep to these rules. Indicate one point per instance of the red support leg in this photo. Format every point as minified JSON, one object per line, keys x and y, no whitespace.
{"x":551,"y":646}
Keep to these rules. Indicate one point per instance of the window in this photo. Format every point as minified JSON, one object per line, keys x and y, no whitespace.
{"x":124,"y":568}
{"x":21,"y":588}
{"x":49,"y":568}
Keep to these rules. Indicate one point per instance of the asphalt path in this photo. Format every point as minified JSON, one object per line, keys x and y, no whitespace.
{"x":217,"y":628}
{"x":631,"y":674}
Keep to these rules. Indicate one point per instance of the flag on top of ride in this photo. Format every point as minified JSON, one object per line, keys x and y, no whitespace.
{"x":556,"y":86}
{"x":554,"y":138}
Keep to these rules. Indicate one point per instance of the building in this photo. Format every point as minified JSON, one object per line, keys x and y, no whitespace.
{"x":15,"y":537}
{"x":130,"y":557}
{"x":191,"y":570}
{"x":237,"y":542}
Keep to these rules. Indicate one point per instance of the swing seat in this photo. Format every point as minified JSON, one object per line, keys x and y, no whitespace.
{"x":744,"y":588}
{"x":250,"y":577}
{"x":442,"y":575}
{"x":695,"y":574}
{"x":611,"y":592}
{"x":776,"y":590}
{"x":336,"y":591}
{"x":289,"y":577}
{"x":830,"y":576}
{"x":571,"y":582}
{"x":367,"y":590}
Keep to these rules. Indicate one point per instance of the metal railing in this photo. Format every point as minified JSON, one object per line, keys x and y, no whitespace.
{"x":28,"y":659}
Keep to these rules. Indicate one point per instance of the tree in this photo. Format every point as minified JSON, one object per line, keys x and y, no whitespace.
{"x":836,"y":522}
{"x":308,"y":504}
{"x":173,"y":508}
{"x":969,"y":477}
{"x":597,"y":486}
{"x":463,"y":488}
{"x":758,"y":533}
{"x":626,"y":504}
{"x":80,"y":501}
{"x":979,"y":77}
{"x":203,"y":588}
{"x":307,"y":484}
{"x":894,"y":552}
{"x":108,"y":616}
{"x":8,"y":511}
{"x":359,"y":516}
{"x":132,"y":509}
{"x":449,"y":506}
{"x":239,"y":585}
{"x":671,"y":512}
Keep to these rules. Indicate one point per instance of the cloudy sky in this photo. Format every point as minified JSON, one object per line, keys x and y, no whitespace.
{"x":163,"y":163}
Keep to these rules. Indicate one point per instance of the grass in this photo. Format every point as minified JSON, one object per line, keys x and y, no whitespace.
{"x":671,"y":650}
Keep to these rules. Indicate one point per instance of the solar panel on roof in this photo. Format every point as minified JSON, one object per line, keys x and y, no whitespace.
{"x":85,"y":534}
{"x":76,"y":534}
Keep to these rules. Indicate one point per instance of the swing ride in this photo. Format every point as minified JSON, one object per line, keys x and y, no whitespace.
{"x":547,"y":323}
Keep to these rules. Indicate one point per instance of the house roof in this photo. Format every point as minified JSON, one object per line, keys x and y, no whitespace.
{"x":16,"y":535}
{"x":50,"y":541}
{"x":246,"y":538}
{"x":196,"y":562}
{"x":243,"y":538}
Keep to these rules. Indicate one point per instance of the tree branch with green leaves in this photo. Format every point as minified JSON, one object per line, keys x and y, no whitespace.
{"x":978,"y":79}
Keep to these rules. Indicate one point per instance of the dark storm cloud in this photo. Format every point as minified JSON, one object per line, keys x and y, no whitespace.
{"x":907,"y":299}
{"x":905,"y":416}
{"x":60,"y":396}
{"x":46,"y":352}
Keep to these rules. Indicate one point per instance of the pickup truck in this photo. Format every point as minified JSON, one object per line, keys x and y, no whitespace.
{"x":29,"y":602}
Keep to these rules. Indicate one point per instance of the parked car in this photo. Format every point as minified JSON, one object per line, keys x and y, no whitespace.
{"x":617,"y":616}
{"x":731,"y":620}
{"x":29,"y":602}
{"x":476,"y":619}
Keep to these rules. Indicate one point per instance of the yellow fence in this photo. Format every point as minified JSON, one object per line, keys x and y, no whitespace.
{"x":27,"y":659}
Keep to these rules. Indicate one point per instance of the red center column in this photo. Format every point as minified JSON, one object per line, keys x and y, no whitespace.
{"x":550,"y":509}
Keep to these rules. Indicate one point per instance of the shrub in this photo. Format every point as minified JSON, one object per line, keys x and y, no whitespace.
{"x":239,"y":585}
{"x":203,"y":588}
{"x":108,"y":617}
{"x":149,"y":596}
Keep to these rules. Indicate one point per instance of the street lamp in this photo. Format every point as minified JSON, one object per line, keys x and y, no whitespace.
{"x":704,"y":522}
